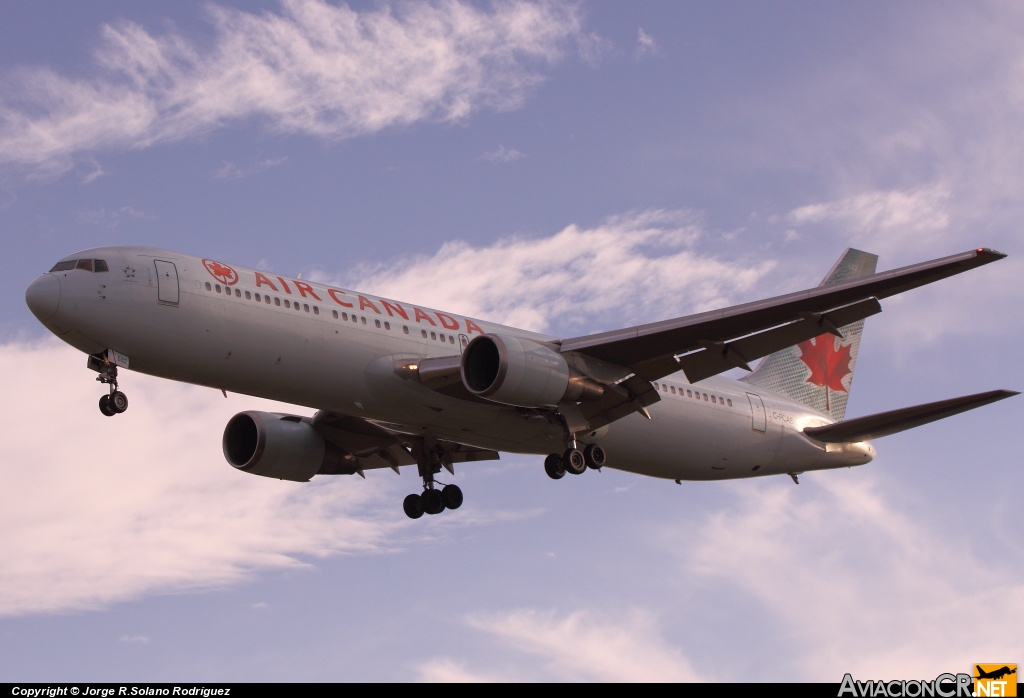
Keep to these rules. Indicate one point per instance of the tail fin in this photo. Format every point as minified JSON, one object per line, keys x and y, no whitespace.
{"x":819,"y":372}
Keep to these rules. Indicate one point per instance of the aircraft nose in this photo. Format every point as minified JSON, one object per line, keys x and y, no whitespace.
{"x":43,"y":296}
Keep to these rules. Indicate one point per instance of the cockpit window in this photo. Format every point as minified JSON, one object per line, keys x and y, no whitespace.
{"x":85,"y":264}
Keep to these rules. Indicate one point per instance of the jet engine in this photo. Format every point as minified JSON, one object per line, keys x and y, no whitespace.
{"x":523,"y":373}
{"x":280,"y":445}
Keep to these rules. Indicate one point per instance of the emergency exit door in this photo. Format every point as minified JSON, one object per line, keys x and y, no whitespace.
{"x":758,"y":420}
{"x":166,"y":282}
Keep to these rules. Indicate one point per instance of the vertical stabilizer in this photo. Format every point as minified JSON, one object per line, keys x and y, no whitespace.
{"x":819,"y":372}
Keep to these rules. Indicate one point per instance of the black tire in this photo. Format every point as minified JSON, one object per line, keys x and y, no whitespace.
{"x":433,"y":503}
{"x":413,"y":506}
{"x":574,"y":462}
{"x":452,"y":496}
{"x":553,"y":467}
{"x":105,"y":407}
{"x":118,"y":402}
{"x":595,"y":456}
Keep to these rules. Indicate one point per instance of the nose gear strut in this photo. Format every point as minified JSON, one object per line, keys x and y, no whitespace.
{"x":115,"y":402}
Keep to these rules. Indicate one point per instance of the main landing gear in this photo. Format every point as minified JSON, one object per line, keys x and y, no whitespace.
{"x":433,"y":500}
{"x":574,"y":461}
{"x":115,"y":402}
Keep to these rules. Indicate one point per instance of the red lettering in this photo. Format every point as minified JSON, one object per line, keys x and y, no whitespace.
{"x":261,"y":279}
{"x":334,"y":294}
{"x":445,"y":319}
{"x":470,"y":326}
{"x":304,"y":288}
{"x":285,"y":284}
{"x":367,"y":303}
{"x":420,"y":315}
{"x":396,"y":307}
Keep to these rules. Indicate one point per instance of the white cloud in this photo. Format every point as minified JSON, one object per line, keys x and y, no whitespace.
{"x":629,"y":269}
{"x":503,"y":154}
{"x":645,"y":43}
{"x":882,"y":221}
{"x":854,"y":584}
{"x":110,"y":219}
{"x":134,"y":639}
{"x":230,"y":170}
{"x":96,"y":510}
{"x":313,"y":68}
{"x":445,"y":670}
{"x":590,"y":646}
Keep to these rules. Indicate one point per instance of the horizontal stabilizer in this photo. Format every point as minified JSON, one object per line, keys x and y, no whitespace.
{"x":885,"y":423}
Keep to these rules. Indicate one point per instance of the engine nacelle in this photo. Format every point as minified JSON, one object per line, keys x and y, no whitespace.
{"x":523,"y":373}
{"x":282,"y":446}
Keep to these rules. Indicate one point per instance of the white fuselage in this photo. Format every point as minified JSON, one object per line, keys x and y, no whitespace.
{"x":332,"y":349}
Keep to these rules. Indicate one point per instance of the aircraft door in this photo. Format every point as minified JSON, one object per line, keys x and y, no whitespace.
{"x":759,"y":421}
{"x":166,"y":282}
{"x":463,"y":343}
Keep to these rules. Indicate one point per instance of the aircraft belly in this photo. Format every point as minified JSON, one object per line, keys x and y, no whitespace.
{"x":690,"y":441}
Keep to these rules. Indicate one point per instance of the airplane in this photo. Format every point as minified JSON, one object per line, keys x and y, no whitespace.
{"x":996,"y":674}
{"x":397,"y":384}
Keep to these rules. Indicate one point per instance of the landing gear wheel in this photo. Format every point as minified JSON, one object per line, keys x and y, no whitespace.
{"x":413,"y":506}
{"x":574,"y":461}
{"x":432,"y":502}
{"x":118,"y":402}
{"x":594,"y":456}
{"x":105,"y":407}
{"x":452,"y":496}
{"x":553,"y":467}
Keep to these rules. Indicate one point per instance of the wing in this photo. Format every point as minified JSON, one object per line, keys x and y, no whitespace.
{"x":366,"y":445}
{"x":709,"y":343}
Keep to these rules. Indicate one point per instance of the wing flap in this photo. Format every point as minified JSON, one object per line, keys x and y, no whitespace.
{"x":720,"y":357}
{"x":885,"y":423}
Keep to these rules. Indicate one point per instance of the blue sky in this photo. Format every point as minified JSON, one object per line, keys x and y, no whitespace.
{"x":569,"y":168}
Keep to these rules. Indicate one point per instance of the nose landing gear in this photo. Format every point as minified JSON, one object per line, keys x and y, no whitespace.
{"x":116,"y":402}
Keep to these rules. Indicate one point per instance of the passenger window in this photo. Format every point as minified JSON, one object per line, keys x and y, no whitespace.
{"x":335,"y":314}
{"x":363,"y":319}
{"x":442,"y":337}
{"x":218,"y":288}
{"x":451,"y":340}
{"x":730,"y":402}
{"x":377,"y":323}
{"x":664,"y":388}
{"x":208,"y":286}
{"x":705,"y":397}
{"x":85,"y":264}
{"x":405,"y":328}
{"x":387,"y":325}
{"x":316,"y":310}
{"x":655,"y":384}
{"x":248,"y":296}
{"x":673,"y":389}
{"x":63,"y":266}
{"x":266,"y":299}
{"x":424,"y":333}
{"x":689,"y":393}
{"x":433,"y":335}
{"x":713,"y":399}
{"x":259,"y":299}
{"x":101,"y":265}
{"x":305,"y":307}
{"x":277,"y":301}
{"x":238,"y":294}
{"x":344,"y":316}
{"x":287,"y":303}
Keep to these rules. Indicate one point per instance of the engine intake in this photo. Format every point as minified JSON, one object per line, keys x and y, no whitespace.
{"x":523,"y":373}
{"x":282,"y":446}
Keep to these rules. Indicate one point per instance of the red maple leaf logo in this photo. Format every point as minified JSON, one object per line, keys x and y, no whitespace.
{"x":221,"y":272}
{"x":829,"y":366}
